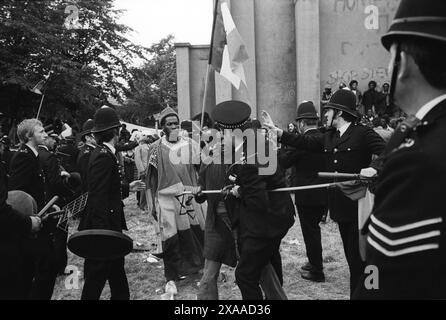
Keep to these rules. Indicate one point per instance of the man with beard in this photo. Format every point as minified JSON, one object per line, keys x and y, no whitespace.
{"x":348,"y":147}
{"x":180,"y":220}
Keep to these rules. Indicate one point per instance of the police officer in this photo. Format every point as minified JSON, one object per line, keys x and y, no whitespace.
{"x":51,"y":241}
{"x":26,"y":175}
{"x":263,"y":218}
{"x":85,"y":151}
{"x":406,"y":236}
{"x":13,"y":227}
{"x":311,"y":204}
{"x":348,"y":147}
{"x":105,"y":209}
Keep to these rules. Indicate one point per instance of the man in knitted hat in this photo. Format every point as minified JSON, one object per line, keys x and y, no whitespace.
{"x":406,"y":239}
{"x":180,"y":219}
{"x":348,"y":147}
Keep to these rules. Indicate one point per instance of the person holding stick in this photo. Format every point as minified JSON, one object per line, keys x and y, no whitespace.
{"x":348,"y":148}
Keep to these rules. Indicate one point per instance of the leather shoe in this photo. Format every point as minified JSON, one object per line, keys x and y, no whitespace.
{"x":307,"y":267}
{"x":313,"y":276}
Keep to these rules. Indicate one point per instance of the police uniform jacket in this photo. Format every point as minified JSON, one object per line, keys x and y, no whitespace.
{"x":82,"y":164}
{"x":347,"y":154}
{"x":407,"y":231}
{"x":105,"y":209}
{"x":307,"y":165}
{"x":54,"y":184}
{"x":26,"y":175}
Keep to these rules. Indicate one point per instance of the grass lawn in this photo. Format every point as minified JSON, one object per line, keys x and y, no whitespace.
{"x":146,"y":280}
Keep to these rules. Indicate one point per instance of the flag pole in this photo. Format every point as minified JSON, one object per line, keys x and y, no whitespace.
{"x":40,"y":107}
{"x":208,"y":69}
{"x":206,"y":84}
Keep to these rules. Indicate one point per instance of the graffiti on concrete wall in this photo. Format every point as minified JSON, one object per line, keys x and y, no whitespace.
{"x":379,"y":74}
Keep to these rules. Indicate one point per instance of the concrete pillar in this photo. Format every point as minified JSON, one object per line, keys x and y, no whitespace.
{"x":307,"y":51}
{"x":183,"y":79}
{"x":243,"y":14}
{"x":275,"y":43}
{"x":199,"y":57}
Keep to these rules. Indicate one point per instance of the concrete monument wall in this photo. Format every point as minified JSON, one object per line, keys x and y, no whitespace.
{"x":296,"y":48}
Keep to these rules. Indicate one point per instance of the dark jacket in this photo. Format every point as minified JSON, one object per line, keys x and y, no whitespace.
{"x":54,"y":184}
{"x":307,"y":164}
{"x":105,"y":209}
{"x":26,"y":175}
{"x":407,"y":231}
{"x":82,"y":164}
{"x":262,"y":214}
{"x":219,"y":244}
{"x":68,"y":156}
{"x":347,"y":154}
{"x":13,"y":226}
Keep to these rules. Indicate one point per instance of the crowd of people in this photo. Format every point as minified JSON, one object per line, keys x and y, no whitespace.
{"x":243,"y":223}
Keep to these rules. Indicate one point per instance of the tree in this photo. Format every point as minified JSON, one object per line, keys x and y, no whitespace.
{"x":88,"y":64}
{"x":152,"y":86}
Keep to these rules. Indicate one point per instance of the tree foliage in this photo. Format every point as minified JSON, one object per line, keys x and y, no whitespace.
{"x":88,"y":64}
{"x":153,"y":85}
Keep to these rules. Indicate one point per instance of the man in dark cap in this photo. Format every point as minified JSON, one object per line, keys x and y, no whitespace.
{"x":51,"y":242}
{"x":406,"y":242}
{"x":312,"y":204}
{"x":85,"y":151}
{"x":105,"y":209}
{"x":348,"y":148}
{"x":262,"y":218}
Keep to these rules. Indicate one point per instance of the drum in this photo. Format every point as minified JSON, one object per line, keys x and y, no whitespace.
{"x":22,"y":202}
{"x":100,"y":244}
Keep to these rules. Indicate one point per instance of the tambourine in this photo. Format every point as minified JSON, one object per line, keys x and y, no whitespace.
{"x":98,"y":244}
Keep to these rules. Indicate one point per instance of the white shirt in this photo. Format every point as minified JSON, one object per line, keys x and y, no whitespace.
{"x":36,"y":153}
{"x":113,"y":150}
{"x":424,"y":110}
{"x":45,"y":147}
{"x":344,"y":128}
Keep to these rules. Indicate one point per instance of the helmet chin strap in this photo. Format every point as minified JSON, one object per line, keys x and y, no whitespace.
{"x":396,"y":66}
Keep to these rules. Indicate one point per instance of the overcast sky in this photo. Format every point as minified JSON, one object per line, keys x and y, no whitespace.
{"x":152,"y":20}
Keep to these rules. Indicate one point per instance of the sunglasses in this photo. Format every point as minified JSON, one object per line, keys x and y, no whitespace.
{"x":171,"y":124}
